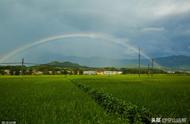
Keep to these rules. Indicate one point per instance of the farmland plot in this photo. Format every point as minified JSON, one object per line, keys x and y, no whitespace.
{"x":44,"y":99}
{"x":163,"y":95}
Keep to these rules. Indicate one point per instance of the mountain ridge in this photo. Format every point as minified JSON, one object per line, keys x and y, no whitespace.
{"x":175,"y":61}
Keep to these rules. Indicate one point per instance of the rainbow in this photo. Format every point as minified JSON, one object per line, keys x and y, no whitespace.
{"x":93,"y":35}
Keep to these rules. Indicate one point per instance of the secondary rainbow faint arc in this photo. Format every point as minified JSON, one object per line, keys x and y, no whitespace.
{"x":93,"y":35}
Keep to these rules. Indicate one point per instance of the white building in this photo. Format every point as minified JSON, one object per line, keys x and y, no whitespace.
{"x":170,"y":72}
{"x":7,"y":72}
{"x":35,"y":72}
{"x":50,"y":72}
{"x":102,"y":72}
{"x":112,"y":72}
{"x":89,"y":72}
{"x":58,"y":72}
{"x":38,"y":73}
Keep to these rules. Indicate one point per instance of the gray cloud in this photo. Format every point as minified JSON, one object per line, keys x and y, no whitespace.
{"x":147,"y":24}
{"x":153,"y":29}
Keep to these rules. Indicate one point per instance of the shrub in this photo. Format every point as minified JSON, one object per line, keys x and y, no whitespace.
{"x":113,"y":105}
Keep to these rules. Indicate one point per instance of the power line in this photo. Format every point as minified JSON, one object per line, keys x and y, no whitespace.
{"x":10,"y":63}
{"x":19,"y":63}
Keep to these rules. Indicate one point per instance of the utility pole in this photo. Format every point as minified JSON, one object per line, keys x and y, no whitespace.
{"x":148,"y":69}
{"x":139,"y":62}
{"x":152,"y":66}
{"x":22,"y":65}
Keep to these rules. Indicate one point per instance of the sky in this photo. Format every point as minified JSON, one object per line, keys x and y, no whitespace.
{"x":158,"y":27}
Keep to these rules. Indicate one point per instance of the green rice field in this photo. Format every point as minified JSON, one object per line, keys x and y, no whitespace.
{"x":56,"y":99}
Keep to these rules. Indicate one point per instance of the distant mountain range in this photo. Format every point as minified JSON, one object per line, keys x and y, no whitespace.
{"x":64,"y":64}
{"x":176,"y":62}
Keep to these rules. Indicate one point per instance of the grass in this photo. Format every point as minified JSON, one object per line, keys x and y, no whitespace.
{"x":47,"y":100}
{"x":117,"y":107}
{"x":163,"y":95}
{"x":55,"y":99}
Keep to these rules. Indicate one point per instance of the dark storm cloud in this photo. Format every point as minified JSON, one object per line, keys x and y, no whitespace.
{"x":159,"y":27}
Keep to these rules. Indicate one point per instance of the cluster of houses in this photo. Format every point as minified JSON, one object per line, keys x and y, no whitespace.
{"x":28,"y":72}
{"x":102,"y":72}
{"x":71,"y":72}
{"x":88,"y":72}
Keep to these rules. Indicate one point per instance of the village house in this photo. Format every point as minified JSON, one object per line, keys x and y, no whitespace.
{"x":7,"y":72}
{"x":170,"y":72}
{"x":102,"y":72}
{"x":112,"y":72}
{"x":89,"y":72}
{"x":35,"y":72}
{"x":58,"y":72}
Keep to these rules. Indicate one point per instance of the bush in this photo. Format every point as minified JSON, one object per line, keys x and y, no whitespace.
{"x":124,"y":110}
